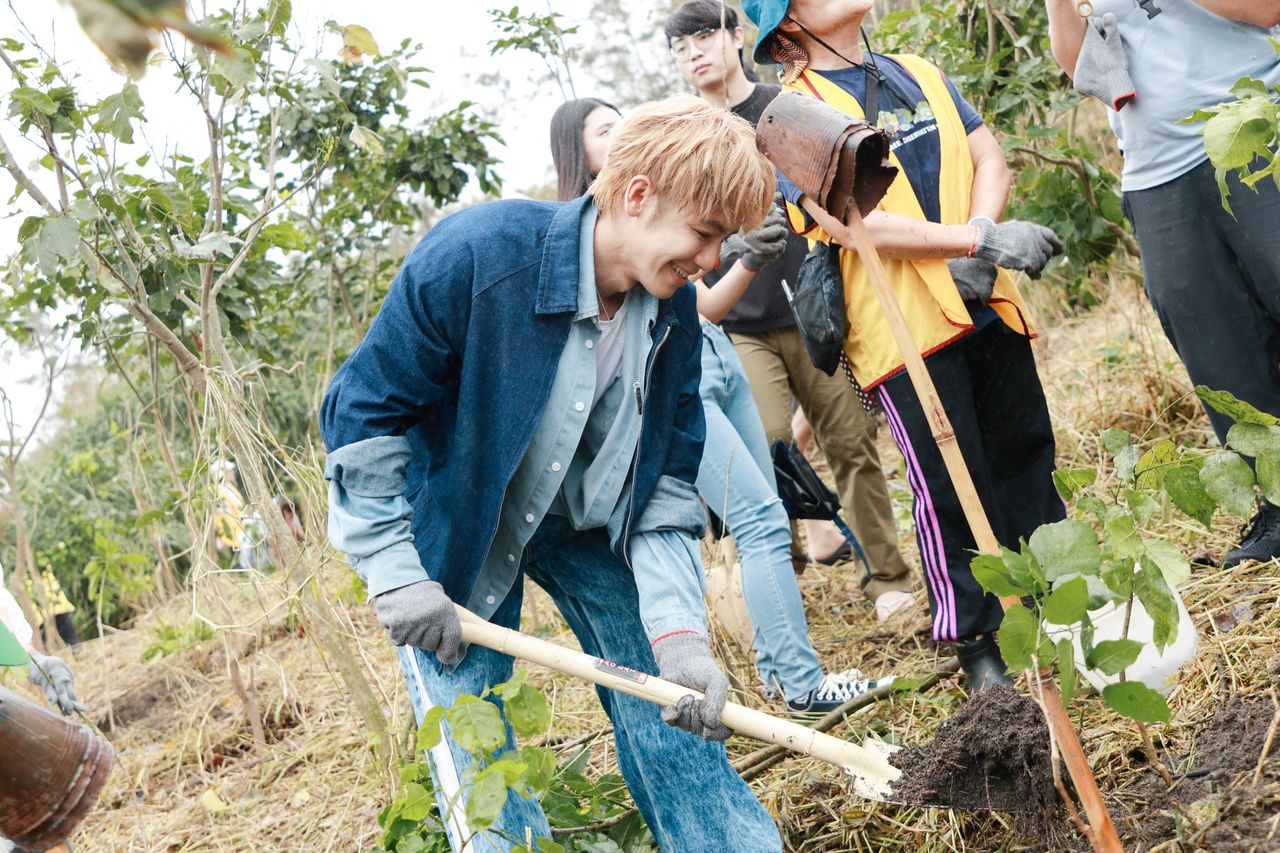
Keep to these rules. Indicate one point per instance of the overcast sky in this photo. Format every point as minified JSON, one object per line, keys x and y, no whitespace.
{"x":458,"y":34}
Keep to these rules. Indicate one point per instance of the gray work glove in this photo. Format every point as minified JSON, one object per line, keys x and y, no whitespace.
{"x":422,"y":615}
{"x":1102,"y":68}
{"x":974,"y":277}
{"x":1017,"y":245}
{"x":51,"y":675}
{"x":685,"y":659}
{"x":761,"y":246}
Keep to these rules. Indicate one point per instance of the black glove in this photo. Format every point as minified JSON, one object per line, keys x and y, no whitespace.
{"x":761,"y":246}
{"x":974,"y":277}
{"x":1017,"y":245}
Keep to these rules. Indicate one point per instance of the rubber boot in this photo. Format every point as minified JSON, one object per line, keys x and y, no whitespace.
{"x":982,"y":664}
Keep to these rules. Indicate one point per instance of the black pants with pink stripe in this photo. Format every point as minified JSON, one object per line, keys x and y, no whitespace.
{"x":988,"y":385}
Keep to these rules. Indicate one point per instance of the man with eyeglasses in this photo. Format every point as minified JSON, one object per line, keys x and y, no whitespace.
{"x":706,"y":44}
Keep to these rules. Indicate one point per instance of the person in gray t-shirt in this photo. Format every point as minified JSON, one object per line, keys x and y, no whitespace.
{"x":1213,"y":279}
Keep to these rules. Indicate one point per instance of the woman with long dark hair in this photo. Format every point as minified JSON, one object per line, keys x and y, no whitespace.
{"x":579,"y":139}
{"x":736,"y":478}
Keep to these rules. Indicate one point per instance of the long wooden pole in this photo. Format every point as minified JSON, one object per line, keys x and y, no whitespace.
{"x":853,"y":235}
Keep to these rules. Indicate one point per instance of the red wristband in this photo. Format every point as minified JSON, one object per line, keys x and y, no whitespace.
{"x":672,"y":634}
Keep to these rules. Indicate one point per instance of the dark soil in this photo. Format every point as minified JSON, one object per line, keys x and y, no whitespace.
{"x":1213,"y":804}
{"x":992,"y":755}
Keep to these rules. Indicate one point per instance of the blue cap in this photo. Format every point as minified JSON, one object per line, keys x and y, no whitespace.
{"x":766,"y":15}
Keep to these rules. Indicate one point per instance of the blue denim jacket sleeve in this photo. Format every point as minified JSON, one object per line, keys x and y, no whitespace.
{"x":667,"y":562}
{"x":368,"y":513}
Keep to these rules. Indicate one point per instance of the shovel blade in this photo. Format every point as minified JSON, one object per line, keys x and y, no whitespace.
{"x":872,"y":774}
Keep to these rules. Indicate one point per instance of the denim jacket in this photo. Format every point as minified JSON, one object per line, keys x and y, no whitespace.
{"x":438,"y":404}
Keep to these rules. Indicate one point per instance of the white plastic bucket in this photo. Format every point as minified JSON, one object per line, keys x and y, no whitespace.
{"x":1154,"y":669}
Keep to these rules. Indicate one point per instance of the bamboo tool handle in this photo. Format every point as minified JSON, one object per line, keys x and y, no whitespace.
{"x":854,"y":235}
{"x":870,"y":767}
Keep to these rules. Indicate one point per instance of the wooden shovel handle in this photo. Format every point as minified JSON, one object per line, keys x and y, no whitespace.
{"x":745,"y":721}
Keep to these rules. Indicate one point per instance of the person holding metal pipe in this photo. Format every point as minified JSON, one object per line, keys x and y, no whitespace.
{"x":1213,"y":276}
{"x":494,"y":425}
{"x":948,"y":257}
{"x":706,"y":45}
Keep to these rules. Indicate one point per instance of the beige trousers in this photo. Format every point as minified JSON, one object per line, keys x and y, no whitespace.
{"x":778,"y":367}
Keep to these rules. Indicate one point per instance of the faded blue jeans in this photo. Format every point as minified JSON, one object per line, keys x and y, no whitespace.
{"x":683,"y":785}
{"x":736,"y":481}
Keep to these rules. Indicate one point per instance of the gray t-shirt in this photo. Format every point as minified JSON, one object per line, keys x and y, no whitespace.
{"x":1183,"y":59}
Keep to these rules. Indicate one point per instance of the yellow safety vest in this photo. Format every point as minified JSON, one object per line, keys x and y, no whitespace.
{"x":934,"y":310}
{"x":58,"y":601}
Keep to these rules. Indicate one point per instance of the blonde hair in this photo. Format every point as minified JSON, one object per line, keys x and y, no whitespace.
{"x":701,"y":158}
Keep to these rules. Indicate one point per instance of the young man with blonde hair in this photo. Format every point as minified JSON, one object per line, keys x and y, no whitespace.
{"x":526,"y":404}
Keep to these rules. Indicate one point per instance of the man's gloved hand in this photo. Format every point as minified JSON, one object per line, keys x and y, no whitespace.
{"x":1017,"y":245}
{"x":761,"y":246}
{"x":51,"y":675}
{"x":1102,"y":69}
{"x":422,"y":615}
{"x":685,"y":658}
{"x":974,"y":277}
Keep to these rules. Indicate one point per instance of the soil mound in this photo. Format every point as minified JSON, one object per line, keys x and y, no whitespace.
{"x":992,"y":755}
{"x":1214,"y":804}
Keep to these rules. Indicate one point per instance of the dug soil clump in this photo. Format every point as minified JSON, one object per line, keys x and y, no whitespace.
{"x":1215,"y":803}
{"x":992,"y":755}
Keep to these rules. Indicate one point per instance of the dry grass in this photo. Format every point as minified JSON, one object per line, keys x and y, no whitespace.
{"x":189,"y":778}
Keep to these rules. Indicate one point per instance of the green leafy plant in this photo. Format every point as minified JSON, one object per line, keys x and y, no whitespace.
{"x":1244,"y":133}
{"x":412,"y":823}
{"x":1068,"y":570}
{"x":171,"y":639}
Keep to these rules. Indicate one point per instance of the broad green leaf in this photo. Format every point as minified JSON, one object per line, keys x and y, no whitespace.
{"x":1137,"y":701}
{"x":1175,"y":568}
{"x":34,"y":99}
{"x":1066,"y":547}
{"x":117,"y":113}
{"x":476,"y":724}
{"x":1182,"y":484}
{"x":1018,"y":637}
{"x":511,"y":770}
{"x":1142,"y":505}
{"x":540,"y":764}
{"x":149,"y":517}
{"x":485,"y":800}
{"x":1122,"y":536}
{"x":1160,"y":603}
{"x":366,"y":139}
{"x":1229,"y":480}
{"x":1115,"y":440}
{"x":1066,"y":670}
{"x":546,"y":845}
{"x":1068,"y":481}
{"x":11,"y":651}
{"x":1239,"y":133}
{"x":279,"y":13}
{"x":236,"y":67}
{"x":1126,"y":462}
{"x":415,"y":802}
{"x":527,"y":711}
{"x":1023,"y":570}
{"x":1118,"y":576}
{"x":1267,"y":463}
{"x":1251,"y":439}
{"x":1086,"y":635}
{"x":1111,"y":657}
{"x":204,"y":249}
{"x":990,"y":573}
{"x":1238,"y":410}
{"x":55,"y":243}
{"x":429,"y":733}
{"x":411,"y":844}
{"x":284,"y":235}
{"x":1153,"y":464}
{"x":1067,"y":603}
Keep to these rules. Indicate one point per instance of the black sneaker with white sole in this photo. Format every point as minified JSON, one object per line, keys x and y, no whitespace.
{"x":1260,"y":538}
{"x":836,"y":689}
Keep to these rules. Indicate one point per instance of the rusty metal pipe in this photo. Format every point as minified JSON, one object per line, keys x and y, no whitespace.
{"x":51,"y":771}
